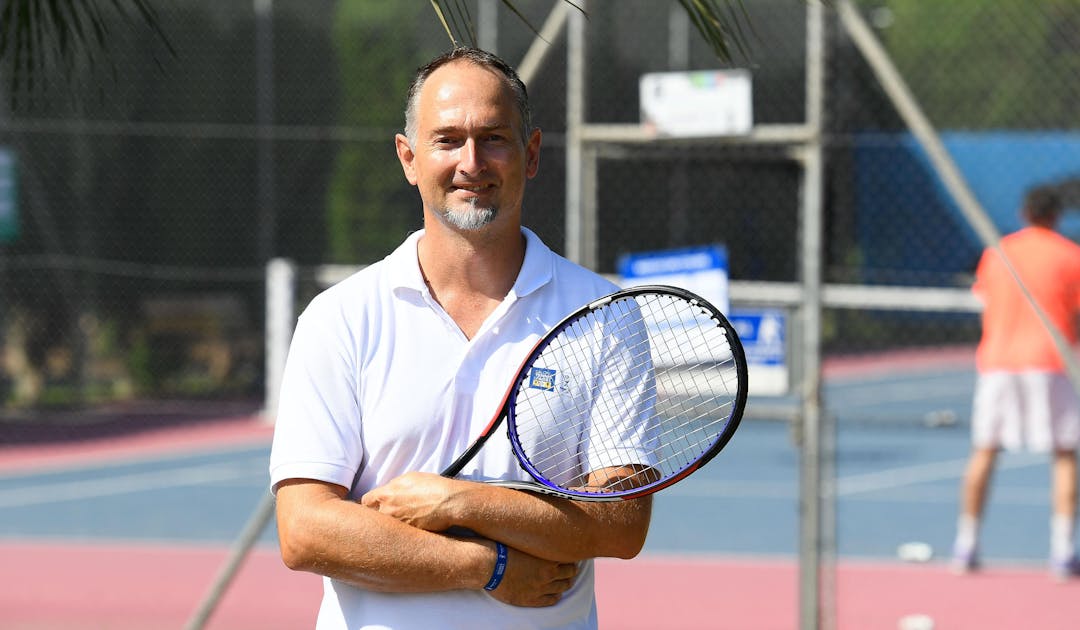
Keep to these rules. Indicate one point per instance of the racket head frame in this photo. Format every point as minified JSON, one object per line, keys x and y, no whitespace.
{"x":738,"y":403}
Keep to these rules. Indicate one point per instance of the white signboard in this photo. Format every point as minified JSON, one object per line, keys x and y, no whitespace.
{"x":698,"y":103}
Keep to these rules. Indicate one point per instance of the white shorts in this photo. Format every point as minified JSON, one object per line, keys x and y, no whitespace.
{"x":1034,"y":411}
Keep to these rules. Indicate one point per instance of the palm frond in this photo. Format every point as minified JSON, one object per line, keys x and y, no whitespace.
{"x":51,"y":41}
{"x":722,"y":23}
{"x":456,"y":20}
{"x":521,"y":16}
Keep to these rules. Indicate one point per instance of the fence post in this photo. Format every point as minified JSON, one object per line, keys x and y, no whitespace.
{"x":280,"y":315}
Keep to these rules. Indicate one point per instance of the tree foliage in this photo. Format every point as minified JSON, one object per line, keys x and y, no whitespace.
{"x":375,"y":70}
{"x":967,"y":73}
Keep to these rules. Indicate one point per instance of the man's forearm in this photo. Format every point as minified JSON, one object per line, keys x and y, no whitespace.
{"x":553,"y":528}
{"x":346,"y":541}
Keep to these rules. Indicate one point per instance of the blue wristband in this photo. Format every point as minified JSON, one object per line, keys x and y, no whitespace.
{"x":500,"y":567}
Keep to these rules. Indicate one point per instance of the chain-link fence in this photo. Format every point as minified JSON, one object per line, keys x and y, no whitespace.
{"x":145,"y":205}
{"x":148,"y":203}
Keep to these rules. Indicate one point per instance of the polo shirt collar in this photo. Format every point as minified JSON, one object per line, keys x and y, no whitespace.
{"x":536,"y":269}
{"x":403,"y":266}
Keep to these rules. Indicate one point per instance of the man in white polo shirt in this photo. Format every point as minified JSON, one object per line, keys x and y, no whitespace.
{"x":393,"y":372}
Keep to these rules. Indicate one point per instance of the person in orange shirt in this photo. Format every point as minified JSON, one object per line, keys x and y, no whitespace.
{"x":1023,"y":398}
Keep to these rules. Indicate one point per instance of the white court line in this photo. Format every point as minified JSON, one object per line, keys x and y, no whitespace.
{"x":1016,"y":496}
{"x":877,"y":394}
{"x":732,"y":489}
{"x":98,"y":462}
{"x":863,"y":483}
{"x":910,"y":475}
{"x":57,"y":492}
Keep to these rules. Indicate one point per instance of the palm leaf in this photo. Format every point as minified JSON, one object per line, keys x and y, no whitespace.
{"x":513,"y":9}
{"x":456,"y":20}
{"x":722,"y":23}
{"x":46,"y":41}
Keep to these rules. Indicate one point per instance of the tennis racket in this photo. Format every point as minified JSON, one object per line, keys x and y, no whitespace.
{"x":626,"y":396}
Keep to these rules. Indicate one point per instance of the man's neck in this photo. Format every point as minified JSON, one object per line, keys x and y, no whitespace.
{"x":483,"y":260}
{"x":470,"y":274}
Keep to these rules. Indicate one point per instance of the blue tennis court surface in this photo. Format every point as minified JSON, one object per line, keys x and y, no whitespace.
{"x":901,"y":446}
{"x":728,"y":535}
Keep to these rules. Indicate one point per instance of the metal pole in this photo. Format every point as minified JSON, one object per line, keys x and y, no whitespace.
{"x":576,"y":247}
{"x":810,"y":495}
{"x":280,"y":318}
{"x":264,"y":118}
{"x":542,"y":43}
{"x":679,"y":186}
{"x":487,"y":19}
{"x":252,"y":530}
{"x":678,"y":38}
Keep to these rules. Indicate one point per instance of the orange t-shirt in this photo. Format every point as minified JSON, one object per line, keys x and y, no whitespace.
{"x":1013,"y":336}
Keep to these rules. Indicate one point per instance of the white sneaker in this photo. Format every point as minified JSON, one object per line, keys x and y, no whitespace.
{"x":964,"y":560}
{"x":1065,"y":569}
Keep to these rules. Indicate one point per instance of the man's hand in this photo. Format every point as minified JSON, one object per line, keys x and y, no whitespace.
{"x":534,"y":582}
{"x":426,"y":500}
{"x":546,"y":527}
{"x":423,"y":500}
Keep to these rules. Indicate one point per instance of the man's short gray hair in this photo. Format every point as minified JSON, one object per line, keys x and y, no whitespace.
{"x":477,"y":57}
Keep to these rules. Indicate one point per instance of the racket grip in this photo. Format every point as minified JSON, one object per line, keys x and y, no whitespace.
{"x":500,"y":567}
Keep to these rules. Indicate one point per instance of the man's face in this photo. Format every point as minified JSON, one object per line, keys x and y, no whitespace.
{"x":469,"y":161}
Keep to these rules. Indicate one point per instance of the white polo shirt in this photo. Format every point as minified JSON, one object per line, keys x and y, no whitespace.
{"x":380,"y":381}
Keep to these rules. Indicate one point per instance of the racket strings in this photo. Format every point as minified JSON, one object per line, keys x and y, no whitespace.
{"x":560,"y":458}
{"x":697,"y":419}
{"x":644,"y":387}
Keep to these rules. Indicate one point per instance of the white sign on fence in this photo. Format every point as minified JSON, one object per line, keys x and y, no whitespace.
{"x":698,"y":103}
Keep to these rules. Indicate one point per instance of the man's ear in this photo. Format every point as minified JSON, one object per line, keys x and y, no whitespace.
{"x":532,"y":154}
{"x":405,"y":156}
